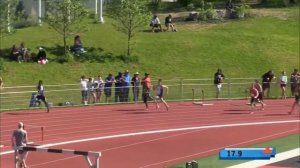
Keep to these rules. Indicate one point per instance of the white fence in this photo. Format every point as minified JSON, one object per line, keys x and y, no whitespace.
{"x":18,"y":97}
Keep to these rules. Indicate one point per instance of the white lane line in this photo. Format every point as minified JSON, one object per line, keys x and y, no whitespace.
{"x":163,"y":131}
{"x":278,"y":157}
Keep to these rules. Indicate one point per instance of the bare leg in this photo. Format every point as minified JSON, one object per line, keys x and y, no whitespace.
{"x":293,"y":107}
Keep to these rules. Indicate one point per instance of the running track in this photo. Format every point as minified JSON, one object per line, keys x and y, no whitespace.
{"x":130,"y":137}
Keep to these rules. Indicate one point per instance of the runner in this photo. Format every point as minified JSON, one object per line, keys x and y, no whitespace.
{"x":146,"y":83}
{"x":297,"y":98}
{"x":159,"y":88}
{"x":254,"y":94}
{"x":41,"y":95}
{"x":19,"y":139}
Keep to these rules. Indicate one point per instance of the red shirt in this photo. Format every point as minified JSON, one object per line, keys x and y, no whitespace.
{"x":254,"y":92}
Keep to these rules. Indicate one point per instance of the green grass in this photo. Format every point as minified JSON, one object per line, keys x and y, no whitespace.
{"x":246,"y":48}
{"x":282,"y":144}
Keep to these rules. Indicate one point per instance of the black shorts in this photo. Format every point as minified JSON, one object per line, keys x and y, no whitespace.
{"x":41,"y":97}
{"x":107,"y":92}
{"x":297,"y":98}
{"x":282,"y":85}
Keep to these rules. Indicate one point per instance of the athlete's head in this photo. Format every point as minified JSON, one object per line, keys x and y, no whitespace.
{"x":20,"y":125}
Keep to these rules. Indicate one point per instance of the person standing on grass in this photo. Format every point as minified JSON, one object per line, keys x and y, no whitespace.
{"x":41,"y":94}
{"x":109,"y":80}
{"x":283,"y":81}
{"x":297,"y":98}
{"x":84,"y":90}
{"x":99,"y":87}
{"x":294,"y":80}
{"x":218,"y":80}
{"x":254,"y":95}
{"x":20,"y":139}
{"x":126,"y":85}
{"x":266,"y":80}
{"x":146,"y":84}
{"x":91,"y":90}
{"x":119,"y":87}
{"x":159,"y":88}
{"x":135,"y":81}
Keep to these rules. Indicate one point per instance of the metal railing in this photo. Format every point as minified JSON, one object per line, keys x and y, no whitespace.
{"x":18,"y":97}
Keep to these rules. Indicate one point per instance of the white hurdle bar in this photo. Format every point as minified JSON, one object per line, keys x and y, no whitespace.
{"x":86,"y":154}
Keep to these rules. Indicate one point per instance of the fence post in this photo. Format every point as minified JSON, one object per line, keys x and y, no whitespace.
{"x":181,"y":89}
{"x":229,"y":88}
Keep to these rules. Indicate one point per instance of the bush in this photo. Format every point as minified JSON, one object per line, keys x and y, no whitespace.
{"x":24,"y":24}
{"x":2,"y":68}
{"x":184,"y":3}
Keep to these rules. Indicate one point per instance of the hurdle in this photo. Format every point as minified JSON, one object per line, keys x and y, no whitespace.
{"x":86,"y":154}
{"x":202,"y":98}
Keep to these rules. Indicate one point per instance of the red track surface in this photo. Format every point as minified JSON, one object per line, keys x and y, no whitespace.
{"x":151,"y":150}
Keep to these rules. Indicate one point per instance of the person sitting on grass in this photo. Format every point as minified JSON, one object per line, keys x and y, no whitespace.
{"x":155,"y":23}
{"x":77,"y":47}
{"x":42,"y":56}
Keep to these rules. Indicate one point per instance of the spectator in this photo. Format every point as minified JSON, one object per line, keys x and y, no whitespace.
{"x":109,"y":80}
{"x":126,"y":85}
{"x":42,"y":56}
{"x":15,"y":54}
{"x":155,"y":23}
{"x":91,"y":90}
{"x":41,"y":94}
{"x":77,"y":47}
{"x":20,"y":139}
{"x":99,"y":87}
{"x":1,"y":82}
{"x":266,"y":80}
{"x":23,"y":52}
{"x":146,"y":83}
{"x":283,"y":81}
{"x":218,"y":80}
{"x":84,"y":90}
{"x":169,"y":24}
{"x":295,"y":76}
{"x":135,"y":81}
{"x":119,"y":87}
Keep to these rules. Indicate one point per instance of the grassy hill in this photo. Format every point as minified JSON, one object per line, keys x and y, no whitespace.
{"x":244,"y":48}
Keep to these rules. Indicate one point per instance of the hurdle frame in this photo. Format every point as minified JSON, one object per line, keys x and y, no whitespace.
{"x":86,"y":154}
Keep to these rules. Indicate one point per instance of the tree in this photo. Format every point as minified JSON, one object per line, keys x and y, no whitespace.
{"x":130,"y":16}
{"x":7,"y":8}
{"x":66,"y":18}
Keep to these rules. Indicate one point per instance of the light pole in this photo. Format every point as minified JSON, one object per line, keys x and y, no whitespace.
{"x":101,"y":17}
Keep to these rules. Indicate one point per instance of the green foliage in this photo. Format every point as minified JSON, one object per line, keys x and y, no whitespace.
{"x":6,"y":16}
{"x":130,"y":17}
{"x":66,"y":17}
{"x":208,"y":13}
{"x":2,"y":67}
{"x":242,"y":10}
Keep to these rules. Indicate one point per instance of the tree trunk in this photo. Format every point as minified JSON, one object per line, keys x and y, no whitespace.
{"x":128,"y":45}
